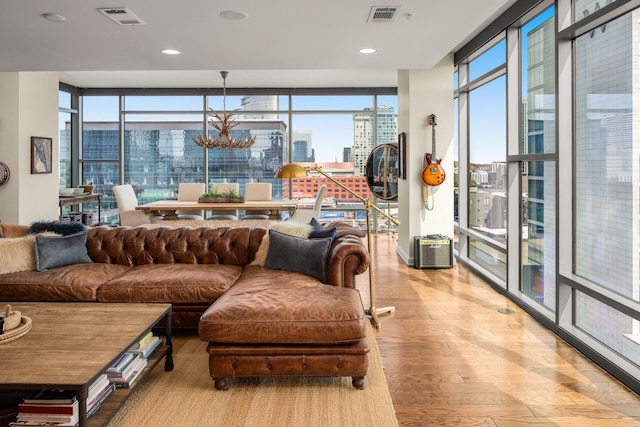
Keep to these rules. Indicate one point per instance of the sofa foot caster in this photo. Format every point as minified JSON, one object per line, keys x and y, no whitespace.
{"x":358,"y":382}
{"x":221,"y":384}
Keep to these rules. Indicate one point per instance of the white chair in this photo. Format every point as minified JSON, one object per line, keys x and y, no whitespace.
{"x":127,"y":202}
{"x":255,"y":191}
{"x":305,"y":215}
{"x":225,"y":214}
{"x":189,"y":192}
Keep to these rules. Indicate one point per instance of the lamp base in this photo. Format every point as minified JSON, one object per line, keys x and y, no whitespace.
{"x":373,"y":313}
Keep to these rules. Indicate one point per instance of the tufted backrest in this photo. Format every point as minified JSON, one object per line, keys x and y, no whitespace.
{"x":181,"y":245}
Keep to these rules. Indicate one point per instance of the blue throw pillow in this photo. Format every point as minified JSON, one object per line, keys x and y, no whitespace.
{"x":56,"y":251}
{"x":64,"y":228}
{"x":319,"y":231}
{"x":290,"y":253}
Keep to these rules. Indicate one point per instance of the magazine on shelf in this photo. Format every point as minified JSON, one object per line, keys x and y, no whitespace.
{"x":148,"y":348}
{"x":97,"y":387}
{"x":48,"y":408}
{"x":49,"y":418}
{"x":135,"y":362}
{"x":143,"y":341}
{"x":129,"y":379}
{"x":51,"y":397}
{"x":121,"y":364}
{"x":95,"y":404}
{"x":40,"y":424}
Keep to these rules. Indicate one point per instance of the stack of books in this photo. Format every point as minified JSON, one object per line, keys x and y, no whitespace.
{"x":49,"y":408}
{"x":98,"y":392}
{"x":126,"y":369}
{"x":146,"y":346}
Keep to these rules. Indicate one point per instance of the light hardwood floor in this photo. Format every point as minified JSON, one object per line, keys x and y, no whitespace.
{"x":451,"y":358}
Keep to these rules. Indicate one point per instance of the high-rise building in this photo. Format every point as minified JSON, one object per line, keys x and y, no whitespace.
{"x":302,"y":148}
{"x":371,"y":130}
{"x":260,"y":103}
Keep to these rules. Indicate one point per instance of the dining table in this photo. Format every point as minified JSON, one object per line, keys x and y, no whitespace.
{"x":168,"y":208}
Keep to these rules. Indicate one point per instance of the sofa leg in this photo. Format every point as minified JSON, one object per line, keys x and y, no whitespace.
{"x":358,"y":382}
{"x":220,"y":384}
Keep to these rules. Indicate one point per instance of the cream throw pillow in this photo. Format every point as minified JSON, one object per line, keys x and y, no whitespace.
{"x":17,"y":254}
{"x":286,"y":227}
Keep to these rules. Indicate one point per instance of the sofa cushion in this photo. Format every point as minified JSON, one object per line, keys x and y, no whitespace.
{"x":283,"y":307}
{"x":16,"y":254}
{"x":177,"y":283}
{"x":58,"y":251}
{"x":77,"y":282}
{"x":308,"y":256}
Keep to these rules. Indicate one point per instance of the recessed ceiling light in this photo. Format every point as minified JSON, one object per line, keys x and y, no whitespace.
{"x":367,"y":50}
{"x":171,"y":52}
{"x":53,"y":17}
{"x":234,"y":15}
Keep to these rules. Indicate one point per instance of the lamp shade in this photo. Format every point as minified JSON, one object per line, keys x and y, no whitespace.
{"x":291,"y":170}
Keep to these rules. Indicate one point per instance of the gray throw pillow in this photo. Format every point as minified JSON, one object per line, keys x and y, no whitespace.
{"x":290,"y":253}
{"x":56,"y":251}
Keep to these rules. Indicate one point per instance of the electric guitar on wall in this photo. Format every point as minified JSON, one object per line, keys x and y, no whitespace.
{"x":433,"y":174}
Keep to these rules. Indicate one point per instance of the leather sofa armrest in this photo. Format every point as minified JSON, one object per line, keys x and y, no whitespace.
{"x":348,"y":257}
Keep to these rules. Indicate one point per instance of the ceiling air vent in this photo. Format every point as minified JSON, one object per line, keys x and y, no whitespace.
{"x":383,"y":14}
{"x":121,"y":15}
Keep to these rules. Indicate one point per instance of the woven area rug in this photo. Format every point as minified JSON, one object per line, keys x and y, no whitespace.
{"x":186,"y":397}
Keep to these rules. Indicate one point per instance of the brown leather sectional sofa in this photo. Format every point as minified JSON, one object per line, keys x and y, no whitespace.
{"x":257,"y":321}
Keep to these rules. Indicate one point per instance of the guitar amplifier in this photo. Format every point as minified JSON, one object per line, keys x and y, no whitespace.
{"x":432,"y":251}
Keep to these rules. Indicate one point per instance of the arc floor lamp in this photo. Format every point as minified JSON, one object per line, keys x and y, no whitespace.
{"x":293,"y":170}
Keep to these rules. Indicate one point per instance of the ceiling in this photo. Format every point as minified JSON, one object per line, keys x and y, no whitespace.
{"x":282,"y":43}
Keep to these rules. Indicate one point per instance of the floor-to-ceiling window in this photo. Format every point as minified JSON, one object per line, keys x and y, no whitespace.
{"x":482,"y":92}
{"x":64,"y":131}
{"x":567,"y":100}
{"x":606,"y":178}
{"x":536,"y":160}
{"x":148,"y":141}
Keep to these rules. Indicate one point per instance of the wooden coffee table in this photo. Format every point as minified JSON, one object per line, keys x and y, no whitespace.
{"x":71,"y":344}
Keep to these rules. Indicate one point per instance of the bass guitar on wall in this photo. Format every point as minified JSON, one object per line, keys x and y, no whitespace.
{"x":433,"y":174}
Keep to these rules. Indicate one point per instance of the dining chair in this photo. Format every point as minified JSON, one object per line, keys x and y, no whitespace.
{"x":255,"y":191}
{"x":225,"y":214}
{"x":305,"y":215}
{"x":127,"y":202}
{"x":189,"y":192}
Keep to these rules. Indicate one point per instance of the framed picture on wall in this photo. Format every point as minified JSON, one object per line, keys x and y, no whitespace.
{"x":41,"y":154}
{"x":402,"y":155}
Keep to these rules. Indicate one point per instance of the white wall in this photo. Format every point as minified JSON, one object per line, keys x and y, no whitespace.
{"x":420,"y":94}
{"x":28,"y":107}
